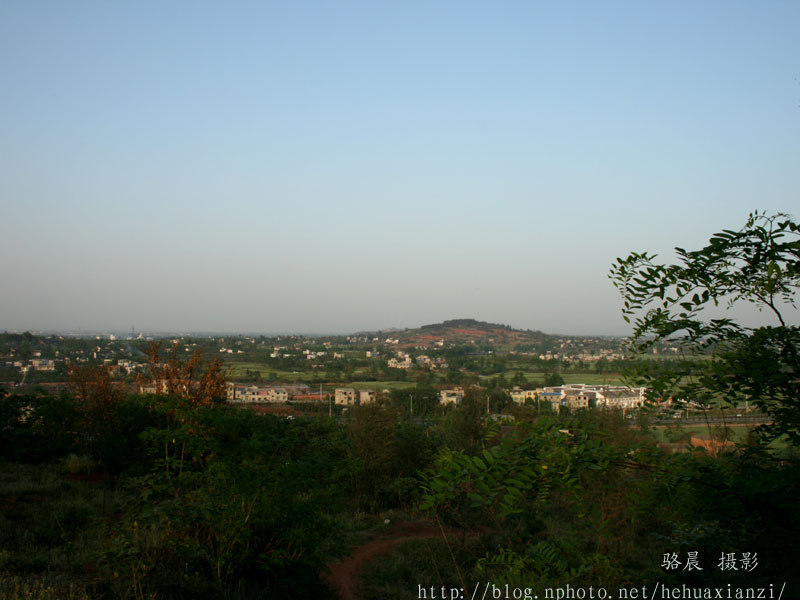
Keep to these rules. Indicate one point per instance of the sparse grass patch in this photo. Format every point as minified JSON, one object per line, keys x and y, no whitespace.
{"x":51,"y":530}
{"x":428,"y":563}
{"x":29,"y":480}
{"x":45,"y":587}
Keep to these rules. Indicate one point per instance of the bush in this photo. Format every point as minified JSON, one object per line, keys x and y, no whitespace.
{"x":74,"y":464}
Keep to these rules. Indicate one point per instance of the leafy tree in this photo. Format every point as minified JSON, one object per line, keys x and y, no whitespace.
{"x":388,"y":454}
{"x":519,"y":380}
{"x":36,"y":427}
{"x":426,"y":399}
{"x":498,"y":400}
{"x":461,"y":427}
{"x":190,"y":385}
{"x":455,"y":376}
{"x":191,"y":380}
{"x":553,"y":380}
{"x":251,"y":522}
{"x":98,"y":400}
{"x":759,"y":264}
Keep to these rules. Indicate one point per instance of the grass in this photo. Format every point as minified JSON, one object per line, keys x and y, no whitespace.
{"x":46,"y":587}
{"x":239,"y":370}
{"x":415,"y":564}
{"x":591,"y":378}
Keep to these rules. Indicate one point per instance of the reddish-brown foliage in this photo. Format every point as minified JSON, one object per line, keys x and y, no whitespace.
{"x":194,"y":381}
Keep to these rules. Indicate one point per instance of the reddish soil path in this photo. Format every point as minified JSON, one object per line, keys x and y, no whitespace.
{"x":343,"y":575}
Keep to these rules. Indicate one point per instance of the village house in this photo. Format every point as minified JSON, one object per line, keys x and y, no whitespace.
{"x":256,"y":394}
{"x":581,"y":395}
{"x":345,"y":397}
{"x":521,"y":396}
{"x":402,"y":362}
{"x":454,"y":396}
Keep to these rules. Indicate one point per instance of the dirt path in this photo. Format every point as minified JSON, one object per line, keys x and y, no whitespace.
{"x":343,"y":575}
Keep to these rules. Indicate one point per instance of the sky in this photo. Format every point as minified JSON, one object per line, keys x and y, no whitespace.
{"x":332,"y":167}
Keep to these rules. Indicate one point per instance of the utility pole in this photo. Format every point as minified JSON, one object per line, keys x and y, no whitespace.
{"x":330,"y":407}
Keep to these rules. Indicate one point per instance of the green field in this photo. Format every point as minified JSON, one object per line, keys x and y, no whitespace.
{"x":382,"y":385}
{"x":537,"y":377}
{"x":738,"y":434}
{"x":238,"y":370}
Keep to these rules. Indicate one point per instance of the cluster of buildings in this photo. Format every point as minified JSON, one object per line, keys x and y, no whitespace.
{"x":576,"y":395}
{"x":595,"y":356}
{"x":573,"y":396}
{"x":353,"y":397}
{"x":35,"y":362}
{"x":403,"y":360}
{"x":283,"y":352}
{"x":272,"y":394}
{"x":581,"y":395}
{"x":259,"y":394}
{"x":40,"y":364}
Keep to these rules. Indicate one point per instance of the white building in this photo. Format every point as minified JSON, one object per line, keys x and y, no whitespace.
{"x":454,"y":396}
{"x":345,"y":397}
{"x":256,"y":394}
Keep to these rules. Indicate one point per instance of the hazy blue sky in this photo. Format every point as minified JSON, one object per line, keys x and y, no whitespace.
{"x":341,"y":166}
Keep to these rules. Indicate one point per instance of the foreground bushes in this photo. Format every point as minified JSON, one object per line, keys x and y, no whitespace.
{"x":182,"y":501}
{"x":569,"y":501}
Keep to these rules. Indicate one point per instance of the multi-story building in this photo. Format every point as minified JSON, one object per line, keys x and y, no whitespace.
{"x":581,"y":395}
{"x":454,"y":396}
{"x":403,"y":362}
{"x":256,"y":394}
{"x":345,"y":397}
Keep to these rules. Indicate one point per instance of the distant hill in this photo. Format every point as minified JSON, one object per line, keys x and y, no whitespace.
{"x":466,"y":324}
{"x":470,"y":331}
